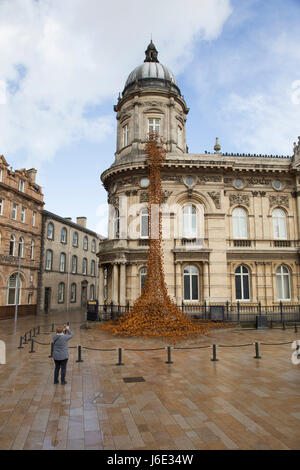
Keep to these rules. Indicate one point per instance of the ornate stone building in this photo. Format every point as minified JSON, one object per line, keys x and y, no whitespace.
{"x":231,"y":221}
{"x":21,"y":204}
{"x":68,"y":264}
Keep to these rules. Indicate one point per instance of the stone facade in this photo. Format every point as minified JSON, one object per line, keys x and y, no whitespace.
{"x":68,"y":269}
{"x":231,"y":222}
{"x":21,"y":204}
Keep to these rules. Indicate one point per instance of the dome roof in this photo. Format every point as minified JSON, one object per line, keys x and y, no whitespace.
{"x":151,"y":73}
{"x":150,"y":70}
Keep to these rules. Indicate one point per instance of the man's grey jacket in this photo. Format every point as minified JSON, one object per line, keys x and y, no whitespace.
{"x":60,"y":346}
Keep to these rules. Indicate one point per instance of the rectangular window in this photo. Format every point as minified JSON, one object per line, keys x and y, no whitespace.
{"x":154,"y":126}
{"x":1,"y":206}
{"x":187,"y":290}
{"x":125,"y":135}
{"x":21,"y":186}
{"x":23,"y":213}
{"x":238,"y":288}
{"x":33,"y":219}
{"x":14,"y":212}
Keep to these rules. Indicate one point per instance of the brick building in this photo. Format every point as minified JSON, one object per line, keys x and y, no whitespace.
{"x":21,"y":204}
{"x":68,"y":265}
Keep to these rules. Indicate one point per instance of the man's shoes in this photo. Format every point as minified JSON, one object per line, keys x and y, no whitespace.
{"x":55,"y":383}
{"x":64,"y":383}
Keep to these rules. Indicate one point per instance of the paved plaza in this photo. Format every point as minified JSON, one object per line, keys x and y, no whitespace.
{"x":236,"y":403}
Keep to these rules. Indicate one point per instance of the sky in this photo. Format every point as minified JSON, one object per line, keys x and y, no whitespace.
{"x":64,"y":62}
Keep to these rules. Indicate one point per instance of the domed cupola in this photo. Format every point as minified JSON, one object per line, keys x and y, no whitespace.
{"x":151,"y":74}
{"x":151,"y":102}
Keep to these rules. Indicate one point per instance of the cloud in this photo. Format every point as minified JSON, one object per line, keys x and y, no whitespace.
{"x":60,"y":57}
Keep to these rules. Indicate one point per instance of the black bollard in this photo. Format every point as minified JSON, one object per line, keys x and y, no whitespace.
{"x":21,"y":342}
{"x":33,"y":333}
{"x":257,"y":356}
{"x":283,"y":325}
{"x":32,"y":346}
{"x":120,"y":363}
{"x":296,"y":329}
{"x":52,"y":326}
{"x":38,"y":330}
{"x":214,"y":358}
{"x":79,"y":355}
{"x":29,"y":335}
{"x":68,"y":323}
{"x":169,"y":361}
{"x":51,"y":350}
{"x":25,"y":338}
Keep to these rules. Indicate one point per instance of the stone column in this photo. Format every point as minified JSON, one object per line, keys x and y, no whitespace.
{"x":115,"y":284}
{"x":205,"y":282}
{"x":123,"y":284}
{"x":101,"y":286}
{"x":134,"y":283}
{"x":178,"y":283}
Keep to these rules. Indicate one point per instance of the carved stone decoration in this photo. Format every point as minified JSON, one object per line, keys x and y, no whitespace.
{"x":144,"y":196}
{"x":239,"y":199}
{"x":209,"y":179}
{"x":132,"y":180}
{"x":297,"y":148}
{"x":259,"y":181}
{"x":114,"y":200}
{"x":165,"y":196}
{"x":216,"y":197}
{"x":176,"y":178}
{"x":279,"y":200}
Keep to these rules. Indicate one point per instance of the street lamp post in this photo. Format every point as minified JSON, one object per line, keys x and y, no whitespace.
{"x":18,"y":283}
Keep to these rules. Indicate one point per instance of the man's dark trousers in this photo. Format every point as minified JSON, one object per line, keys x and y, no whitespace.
{"x":63,"y":366}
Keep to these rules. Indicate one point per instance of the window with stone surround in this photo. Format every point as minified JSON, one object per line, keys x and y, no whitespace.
{"x":279,"y":224}
{"x":1,"y":206}
{"x":154,"y":126}
{"x":49,"y":259}
{"x":189,"y":221}
{"x":125,"y":130}
{"x":73,"y":293}
{"x":61,"y":292}
{"x":242,"y":283}
{"x":191,"y":283}
{"x":62,"y":263}
{"x":283,"y":283}
{"x":239,"y":223}
{"x":50,"y":231}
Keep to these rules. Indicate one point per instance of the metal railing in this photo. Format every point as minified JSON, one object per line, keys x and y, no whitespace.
{"x":227,"y":312}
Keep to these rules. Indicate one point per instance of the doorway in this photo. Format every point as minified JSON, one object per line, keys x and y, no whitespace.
{"x":47,"y":299}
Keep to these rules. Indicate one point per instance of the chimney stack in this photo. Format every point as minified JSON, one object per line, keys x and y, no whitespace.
{"x":69,"y":219}
{"x":32,"y":174}
{"x":81,"y":221}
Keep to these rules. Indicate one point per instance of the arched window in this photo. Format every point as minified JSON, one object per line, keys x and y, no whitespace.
{"x":12,"y":245}
{"x":84,"y":266}
{"x":73,"y":293}
{"x":239,"y":223}
{"x":85,"y":243}
{"x":93,"y":246}
{"x":93,"y":265}
{"x":144,"y":223}
{"x":1,"y":206}
{"x":74,"y":264}
{"x":61,"y":292}
{"x":279,"y":224}
{"x":32,"y":250}
{"x":92,"y":292}
{"x":189,"y":221}
{"x":13,"y":297}
{"x":21,"y":247}
{"x":75,"y":239}
{"x":116,"y":223}
{"x":283,"y":283}
{"x":191,"y":283}
{"x":49,"y":258}
{"x":143,"y":275}
{"x":50,"y":231}
{"x":62,"y":263}
{"x":63,"y":235}
{"x":242,"y":284}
